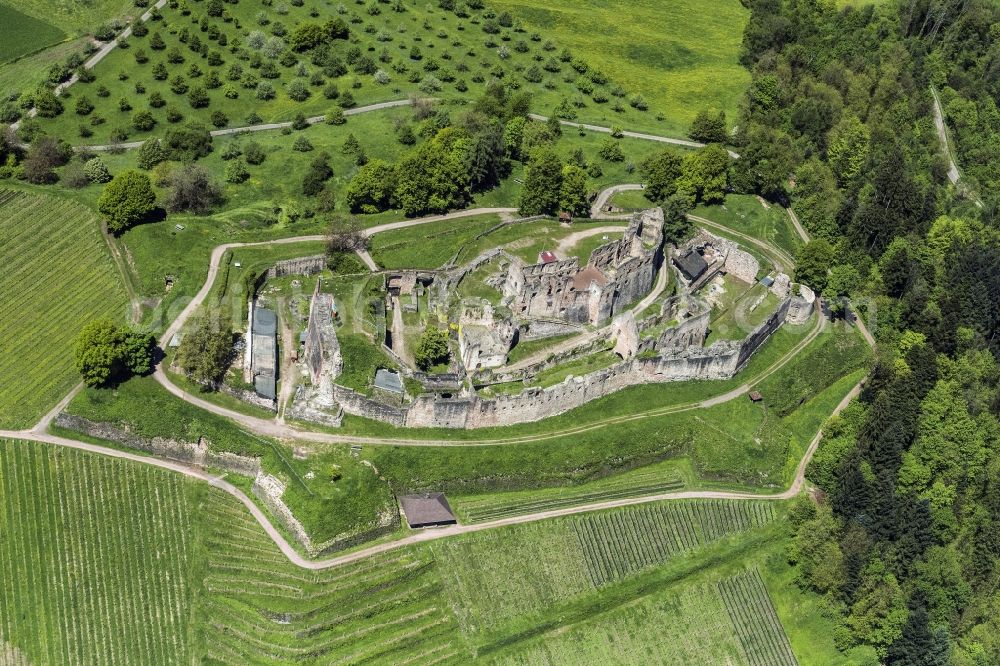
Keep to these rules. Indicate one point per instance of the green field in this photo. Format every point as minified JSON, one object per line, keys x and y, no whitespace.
{"x":57,"y":276}
{"x":76,"y":16}
{"x":444,"y":41}
{"x":744,"y":213}
{"x":23,"y":34}
{"x":428,"y":245}
{"x":682,"y":55}
{"x":105,"y":555}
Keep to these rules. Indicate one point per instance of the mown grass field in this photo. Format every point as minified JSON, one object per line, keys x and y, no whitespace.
{"x":76,"y":16}
{"x":23,"y":34}
{"x":98,"y":558}
{"x":682,"y":55}
{"x":746,"y":214}
{"x":58,"y":276}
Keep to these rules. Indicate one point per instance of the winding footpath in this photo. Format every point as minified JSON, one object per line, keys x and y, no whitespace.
{"x":954,"y":175}
{"x":273,"y":428}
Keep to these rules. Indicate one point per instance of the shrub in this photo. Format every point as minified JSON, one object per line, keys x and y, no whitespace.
{"x":253,"y":153}
{"x":198,"y":97}
{"x":219,"y":119}
{"x":265,"y":91}
{"x":236,"y":171}
{"x":96,"y":171}
{"x":302,"y":144}
{"x":150,"y":154}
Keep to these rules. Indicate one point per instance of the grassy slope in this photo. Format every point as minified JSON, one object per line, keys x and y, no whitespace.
{"x":682,"y":55}
{"x":24,"y":34}
{"x":192,"y":575}
{"x":57,"y":277}
{"x":76,"y":16}
{"x":440,"y":36}
{"x":744,"y":213}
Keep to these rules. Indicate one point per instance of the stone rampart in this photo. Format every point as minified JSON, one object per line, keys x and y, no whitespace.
{"x":801,"y":307}
{"x":361,"y":405}
{"x":721,"y":360}
{"x":183,"y":452}
{"x":298,"y":266}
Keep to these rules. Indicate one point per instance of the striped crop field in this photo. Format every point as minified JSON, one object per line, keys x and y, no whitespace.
{"x":755,"y":621}
{"x":498,"y":575}
{"x":103,"y":549}
{"x":683,"y":625}
{"x":258,"y":608}
{"x":651,"y":481}
{"x":57,"y":276}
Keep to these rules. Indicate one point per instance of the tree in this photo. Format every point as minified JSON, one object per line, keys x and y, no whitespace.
{"x":150,"y":154}
{"x":705,"y":174}
{"x":432,"y":348}
{"x":205,"y":350}
{"x":47,"y":104}
{"x":676,"y":223}
{"x":840,"y":282}
{"x":198,"y":97}
{"x":879,"y":614}
{"x":372,"y":187}
{"x":104,"y":352}
{"x":96,"y":171}
{"x":812,"y":262}
{"x":709,"y":128}
{"x":254,"y":153}
{"x":573,"y":193}
{"x":848,"y":149}
{"x":192,"y":189}
{"x":44,"y":155}
{"x":611,"y":151}
{"x":126,"y":200}
{"x":542,"y":183}
{"x":434,"y":176}
{"x":660,"y":172}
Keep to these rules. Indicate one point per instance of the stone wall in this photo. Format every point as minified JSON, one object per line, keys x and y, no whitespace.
{"x":722,"y":360}
{"x":190,"y":453}
{"x":298,"y":266}
{"x":741,"y":264}
{"x":249,"y":397}
{"x":801,"y":307}
{"x":361,"y":405}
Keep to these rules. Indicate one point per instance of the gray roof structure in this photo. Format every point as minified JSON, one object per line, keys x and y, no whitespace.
{"x":387,"y":380}
{"x":427,"y":510}
{"x":692,"y":264}
{"x":265,"y":322}
{"x":265,"y":386}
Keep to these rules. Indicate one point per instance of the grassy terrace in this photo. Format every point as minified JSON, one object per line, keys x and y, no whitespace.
{"x":430,"y":245}
{"x":744,"y":213}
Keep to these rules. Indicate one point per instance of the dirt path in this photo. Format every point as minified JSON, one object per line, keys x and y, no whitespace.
{"x":597,"y":208}
{"x":633,"y":135}
{"x":398,"y":343}
{"x":263,"y":127}
{"x":799,"y":229}
{"x":954,"y":175}
{"x":567,"y":243}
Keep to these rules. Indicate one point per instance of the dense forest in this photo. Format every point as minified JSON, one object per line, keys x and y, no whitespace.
{"x":904,"y":542}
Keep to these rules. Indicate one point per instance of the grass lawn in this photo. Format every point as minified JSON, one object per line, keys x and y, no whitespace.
{"x":76,"y":16}
{"x":576,"y":368}
{"x":631,"y":200}
{"x":428,"y":245}
{"x":58,"y":276}
{"x":24,"y":34}
{"x":529,"y":347}
{"x":744,"y":213}
{"x":682,"y":56}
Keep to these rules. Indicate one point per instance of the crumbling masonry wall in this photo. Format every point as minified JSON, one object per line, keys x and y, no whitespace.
{"x":722,"y":360}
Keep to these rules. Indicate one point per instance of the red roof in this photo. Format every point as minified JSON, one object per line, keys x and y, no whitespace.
{"x":546,"y":257}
